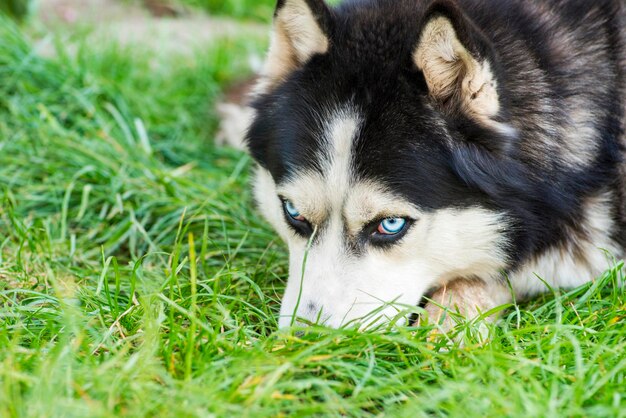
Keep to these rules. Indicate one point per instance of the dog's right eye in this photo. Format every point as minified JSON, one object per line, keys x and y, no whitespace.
{"x":388,"y":230}
{"x":295,"y":219}
{"x":391,"y":226}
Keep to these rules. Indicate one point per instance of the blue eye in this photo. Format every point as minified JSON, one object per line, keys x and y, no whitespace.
{"x":292,"y":211}
{"x":391,"y":226}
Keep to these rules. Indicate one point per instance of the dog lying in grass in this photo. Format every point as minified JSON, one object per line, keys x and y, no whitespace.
{"x":471,"y":151}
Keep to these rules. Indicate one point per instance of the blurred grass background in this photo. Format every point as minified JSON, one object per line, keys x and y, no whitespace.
{"x":256,"y":10}
{"x":243,"y":9}
{"x":17,"y":9}
{"x":260,"y":10}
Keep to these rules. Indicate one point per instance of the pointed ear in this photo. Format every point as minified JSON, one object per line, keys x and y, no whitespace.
{"x":458,"y":63}
{"x":301,"y":29}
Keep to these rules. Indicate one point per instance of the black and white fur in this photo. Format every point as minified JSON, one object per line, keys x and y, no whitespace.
{"x":497,"y":129}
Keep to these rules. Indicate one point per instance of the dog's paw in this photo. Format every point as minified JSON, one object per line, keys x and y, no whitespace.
{"x":445,"y":318}
{"x":455,"y":310}
{"x":234,"y":122}
{"x":455,"y":326}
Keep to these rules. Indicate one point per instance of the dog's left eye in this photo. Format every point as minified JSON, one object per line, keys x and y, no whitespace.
{"x":392,"y":226}
{"x":292,"y":211}
{"x":296,"y":220}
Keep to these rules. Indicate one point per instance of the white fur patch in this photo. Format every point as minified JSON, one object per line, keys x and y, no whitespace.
{"x":581,"y":259}
{"x":234,"y":122}
{"x":341,"y":133}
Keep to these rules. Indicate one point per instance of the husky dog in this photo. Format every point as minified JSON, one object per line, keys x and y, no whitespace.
{"x":471,"y":151}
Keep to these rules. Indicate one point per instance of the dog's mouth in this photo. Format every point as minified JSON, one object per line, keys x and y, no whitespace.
{"x":414,"y":317}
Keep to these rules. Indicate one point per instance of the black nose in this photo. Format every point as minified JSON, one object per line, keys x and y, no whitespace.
{"x":311,"y":307}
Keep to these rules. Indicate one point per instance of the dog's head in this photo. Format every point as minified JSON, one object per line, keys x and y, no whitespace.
{"x":379,"y":130}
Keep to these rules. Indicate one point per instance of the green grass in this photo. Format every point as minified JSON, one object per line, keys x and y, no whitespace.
{"x":261,"y":10}
{"x":137,"y":280}
{"x":243,"y":9}
{"x":18,"y":9}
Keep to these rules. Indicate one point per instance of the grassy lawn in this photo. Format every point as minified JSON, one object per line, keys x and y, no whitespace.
{"x":136,"y":278}
{"x":246,"y":9}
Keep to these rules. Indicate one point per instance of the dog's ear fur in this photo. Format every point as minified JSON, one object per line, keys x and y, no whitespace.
{"x":301,"y":30}
{"x":458,"y":64}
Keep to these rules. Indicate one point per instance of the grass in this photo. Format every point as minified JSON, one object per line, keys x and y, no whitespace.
{"x":261,"y":10}
{"x":243,"y":9}
{"x":137,"y":280}
{"x":17,"y":9}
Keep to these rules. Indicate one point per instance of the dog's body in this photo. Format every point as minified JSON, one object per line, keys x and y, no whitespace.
{"x":441,"y":148}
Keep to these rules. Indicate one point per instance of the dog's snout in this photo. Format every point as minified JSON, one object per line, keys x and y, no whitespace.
{"x":308,"y":313}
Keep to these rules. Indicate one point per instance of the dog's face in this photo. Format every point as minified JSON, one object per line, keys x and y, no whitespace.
{"x":361,"y":134}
